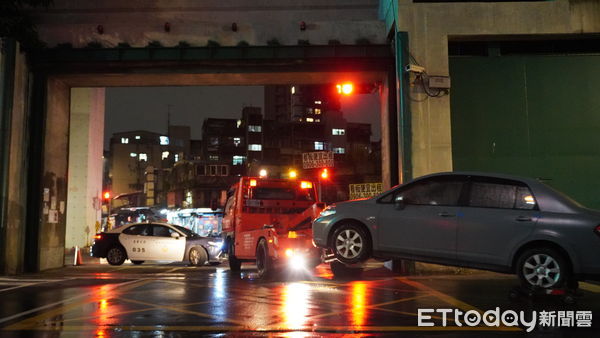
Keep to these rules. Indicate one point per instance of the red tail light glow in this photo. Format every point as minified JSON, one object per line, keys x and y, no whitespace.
{"x":597,"y":230}
{"x":98,"y":236}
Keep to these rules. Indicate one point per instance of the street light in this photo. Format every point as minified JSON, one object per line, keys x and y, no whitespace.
{"x":262,"y":173}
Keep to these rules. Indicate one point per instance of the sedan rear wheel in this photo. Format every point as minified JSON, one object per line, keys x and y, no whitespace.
{"x":542,"y":268}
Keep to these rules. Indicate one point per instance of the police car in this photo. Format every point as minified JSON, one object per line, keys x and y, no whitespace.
{"x":140,"y":242}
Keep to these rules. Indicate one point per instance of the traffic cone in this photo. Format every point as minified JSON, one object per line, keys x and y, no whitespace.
{"x":77,"y":259}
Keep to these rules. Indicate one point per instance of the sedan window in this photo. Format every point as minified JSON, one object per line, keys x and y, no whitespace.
{"x":139,"y":230}
{"x":162,"y":231}
{"x":501,"y":195}
{"x":438,"y":190}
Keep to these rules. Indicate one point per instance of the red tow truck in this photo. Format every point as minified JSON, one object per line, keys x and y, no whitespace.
{"x":269,"y":221}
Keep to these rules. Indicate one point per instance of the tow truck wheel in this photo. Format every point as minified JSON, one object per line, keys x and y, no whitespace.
{"x":351,"y":244}
{"x":198,"y":256}
{"x":235,"y":264}
{"x":340,"y":270}
{"x":264,"y":264}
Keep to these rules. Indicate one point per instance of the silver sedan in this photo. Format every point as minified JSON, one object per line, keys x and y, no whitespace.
{"x":479,"y":220}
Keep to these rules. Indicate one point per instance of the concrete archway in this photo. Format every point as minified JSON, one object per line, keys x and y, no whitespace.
{"x":68,"y":86}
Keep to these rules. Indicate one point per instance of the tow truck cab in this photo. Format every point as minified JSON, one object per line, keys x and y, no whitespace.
{"x":269,"y":221}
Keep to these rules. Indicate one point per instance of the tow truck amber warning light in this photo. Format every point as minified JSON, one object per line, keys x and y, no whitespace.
{"x":305,"y":185}
{"x":253,"y":183}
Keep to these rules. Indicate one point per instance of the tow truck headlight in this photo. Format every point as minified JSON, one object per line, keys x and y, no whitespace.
{"x":298,"y":262}
{"x":330,"y":210}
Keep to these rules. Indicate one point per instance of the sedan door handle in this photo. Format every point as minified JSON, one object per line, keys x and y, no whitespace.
{"x":523,"y":219}
{"x":445,"y":214}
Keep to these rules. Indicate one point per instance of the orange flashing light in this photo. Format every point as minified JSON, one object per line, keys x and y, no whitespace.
{"x":292,"y":234}
{"x":253,"y":183}
{"x":325,"y":174}
{"x":293,"y":174}
{"x":305,"y":185}
{"x":106,"y":195}
{"x":98,"y":236}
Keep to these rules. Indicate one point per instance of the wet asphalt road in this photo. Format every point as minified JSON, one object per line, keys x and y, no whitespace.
{"x":177,"y":300}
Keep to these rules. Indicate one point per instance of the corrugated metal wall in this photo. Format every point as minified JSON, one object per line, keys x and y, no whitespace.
{"x":536,"y":116}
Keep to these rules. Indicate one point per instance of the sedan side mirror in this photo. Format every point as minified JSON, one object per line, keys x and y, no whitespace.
{"x":399,"y":203}
{"x":175,"y":235}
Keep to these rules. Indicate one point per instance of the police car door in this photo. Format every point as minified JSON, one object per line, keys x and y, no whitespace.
{"x":165,"y":247}
{"x":135,"y":240}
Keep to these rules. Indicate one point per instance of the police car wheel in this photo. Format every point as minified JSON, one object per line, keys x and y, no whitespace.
{"x":197,"y":256}
{"x":115,"y":256}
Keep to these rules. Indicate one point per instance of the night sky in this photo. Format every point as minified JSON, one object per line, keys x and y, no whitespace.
{"x":145,"y":108}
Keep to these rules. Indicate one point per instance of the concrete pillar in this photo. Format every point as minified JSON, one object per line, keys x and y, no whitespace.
{"x":86,"y":145}
{"x":17,"y":178}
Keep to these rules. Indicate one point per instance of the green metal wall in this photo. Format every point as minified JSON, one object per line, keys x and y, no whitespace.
{"x":536,"y":116}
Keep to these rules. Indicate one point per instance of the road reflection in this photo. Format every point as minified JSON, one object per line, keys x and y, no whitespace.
{"x":295,"y":305}
{"x":358,"y":301}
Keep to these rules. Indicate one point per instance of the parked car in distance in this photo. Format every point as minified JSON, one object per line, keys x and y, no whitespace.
{"x":141,"y":242}
{"x":480,"y":220}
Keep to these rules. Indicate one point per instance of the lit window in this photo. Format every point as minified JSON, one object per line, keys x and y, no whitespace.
{"x":133,"y":154}
{"x":338,"y":131}
{"x":339,"y":150}
{"x":143,"y":157}
{"x":239,"y":123}
{"x":256,"y":129}
{"x":124,"y":140}
{"x":317,"y":102}
{"x":238,"y":160}
{"x":293,"y":90}
{"x":318,"y":145}
{"x":176,"y":157}
{"x":255,"y":147}
{"x":317,"y":111}
{"x":237,"y":141}
{"x":165,"y":155}
{"x":164,"y":140}
{"x":214,"y":157}
{"x":318,"y":120}
{"x":310,"y":119}
{"x":189,"y":200}
{"x":137,"y":137}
